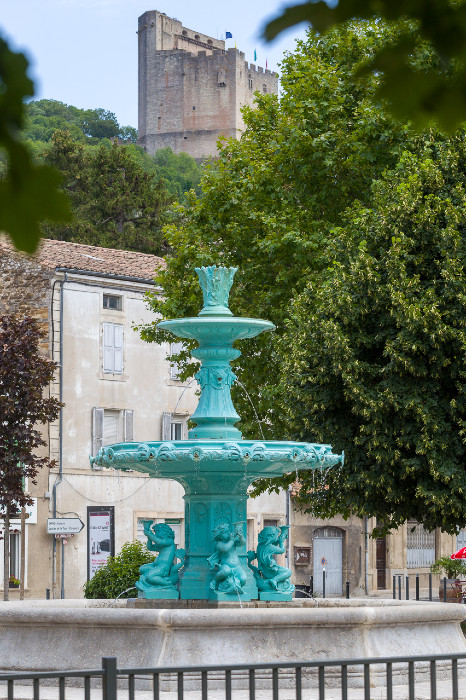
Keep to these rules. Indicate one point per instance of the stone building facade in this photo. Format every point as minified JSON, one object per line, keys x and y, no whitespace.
{"x":191,"y":90}
{"x":115,"y":387}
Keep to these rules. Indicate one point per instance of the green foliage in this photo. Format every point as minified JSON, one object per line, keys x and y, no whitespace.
{"x":348,"y":232}
{"x":24,"y":374}
{"x":271,"y":199}
{"x":453,"y":568}
{"x":119,"y":573}
{"x":374,"y":357}
{"x":436,"y":92}
{"x":28,"y":193}
{"x":44,"y":117}
{"x":116,"y":203}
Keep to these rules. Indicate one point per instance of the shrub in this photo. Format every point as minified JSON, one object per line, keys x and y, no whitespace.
{"x":118,"y":576}
{"x":453,"y":568}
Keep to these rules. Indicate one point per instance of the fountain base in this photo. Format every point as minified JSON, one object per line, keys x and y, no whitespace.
{"x":76,"y":634}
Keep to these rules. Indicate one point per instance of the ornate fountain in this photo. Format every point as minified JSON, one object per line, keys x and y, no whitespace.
{"x":216,"y":467}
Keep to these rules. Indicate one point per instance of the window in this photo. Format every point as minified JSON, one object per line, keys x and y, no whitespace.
{"x":111,"y":301}
{"x":264,"y":88}
{"x":176,"y":430}
{"x":15,"y":554}
{"x":175,"y":348}
{"x":110,"y":426}
{"x":113,"y":348}
{"x":174,"y":427}
{"x":420,"y":546}
{"x":270,"y":523}
{"x":250,"y":83}
{"x":174,"y":523}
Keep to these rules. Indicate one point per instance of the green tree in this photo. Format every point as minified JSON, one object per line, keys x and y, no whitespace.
{"x":440,"y":91}
{"x":118,"y":576}
{"x":28,"y":193}
{"x":44,"y":117}
{"x":272,"y":199}
{"x":24,"y":374}
{"x":115,"y":202}
{"x":374,"y":358}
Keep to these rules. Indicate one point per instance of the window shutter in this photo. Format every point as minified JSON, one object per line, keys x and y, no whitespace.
{"x":108,"y":347}
{"x":111,"y":420}
{"x":97,"y":429}
{"x":129,"y":418}
{"x":113,"y":347}
{"x":166,"y":426}
{"x":118,"y":338}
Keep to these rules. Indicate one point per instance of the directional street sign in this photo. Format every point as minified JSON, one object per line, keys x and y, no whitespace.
{"x":64,"y":526}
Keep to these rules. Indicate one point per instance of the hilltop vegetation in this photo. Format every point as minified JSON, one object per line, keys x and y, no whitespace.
{"x":120,"y":196}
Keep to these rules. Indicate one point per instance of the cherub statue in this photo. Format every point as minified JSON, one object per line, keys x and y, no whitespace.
{"x":163,"y":572}
{"x":230,"y":576}
{"x":269,"y":576}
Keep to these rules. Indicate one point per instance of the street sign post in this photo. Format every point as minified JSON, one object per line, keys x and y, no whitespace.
{"x":64,"y":526}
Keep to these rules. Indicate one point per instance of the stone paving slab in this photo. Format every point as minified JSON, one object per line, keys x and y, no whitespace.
{"x":422,"y":692}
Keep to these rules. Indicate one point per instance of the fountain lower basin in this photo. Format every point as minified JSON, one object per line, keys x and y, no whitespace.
{"x":75,"y":634}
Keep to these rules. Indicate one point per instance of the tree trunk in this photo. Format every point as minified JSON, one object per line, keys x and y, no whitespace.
{"x":22,"y":573}
{"x":6,"y":554}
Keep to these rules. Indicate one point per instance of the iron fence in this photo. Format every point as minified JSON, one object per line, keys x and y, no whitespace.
{"x":122,"y":683}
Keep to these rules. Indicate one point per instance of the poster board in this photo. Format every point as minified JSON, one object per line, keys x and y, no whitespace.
{"x":100,"y":537}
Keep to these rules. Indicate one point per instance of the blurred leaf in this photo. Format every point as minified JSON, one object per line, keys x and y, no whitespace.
{"x":28,"y":194}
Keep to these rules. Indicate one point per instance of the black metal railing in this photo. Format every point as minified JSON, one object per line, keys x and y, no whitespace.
{"x":335,"y":674}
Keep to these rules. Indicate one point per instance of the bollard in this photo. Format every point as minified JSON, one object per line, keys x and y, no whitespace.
{"x":399,"y":586}
{"x":47,"y":594}
{"x":394,"y":587}
{"x":417,"y":586}
{"x":430,"y":586}
{"x":347,"y":590}
{"x":407,"y":587}
{"x":444,"y":589}
{"x":311,"y":585}
{"x":323,"y":583}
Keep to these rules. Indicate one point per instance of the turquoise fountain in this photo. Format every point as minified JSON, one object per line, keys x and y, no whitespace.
{"x":216,"y":467}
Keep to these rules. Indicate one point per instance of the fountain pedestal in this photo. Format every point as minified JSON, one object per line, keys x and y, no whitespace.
{"x":215,"y":465}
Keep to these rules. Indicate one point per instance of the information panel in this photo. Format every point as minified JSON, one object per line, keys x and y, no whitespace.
{"x":100,"y":537}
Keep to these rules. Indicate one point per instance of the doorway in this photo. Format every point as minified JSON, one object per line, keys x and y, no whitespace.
{"x":381,"y":563}
{"x":328,"y":555}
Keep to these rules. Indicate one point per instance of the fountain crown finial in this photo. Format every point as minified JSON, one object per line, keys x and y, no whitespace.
{"x":216,"y":284}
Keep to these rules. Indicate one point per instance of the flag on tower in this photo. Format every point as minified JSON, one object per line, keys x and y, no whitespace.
{"x":255,"y":55}
{"x":228,"y":35}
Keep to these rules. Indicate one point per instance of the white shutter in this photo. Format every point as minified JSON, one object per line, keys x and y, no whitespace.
{"x":166,"y":426}
{"x":113,"y":347}
{"x":129,"y":421}
{"x":109,"y":345}
{"x":111,"y":420}
{"x":118,"y":337}
{"x":97,"y":429}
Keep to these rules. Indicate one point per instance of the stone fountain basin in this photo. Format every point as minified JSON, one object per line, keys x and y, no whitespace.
{"x":247,"y":457}
{"x":75,"y":634}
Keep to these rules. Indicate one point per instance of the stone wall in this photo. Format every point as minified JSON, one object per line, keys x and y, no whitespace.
{"x":191,"y":89}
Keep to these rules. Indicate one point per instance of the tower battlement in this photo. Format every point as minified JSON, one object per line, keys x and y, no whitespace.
{"x":191,"y":88}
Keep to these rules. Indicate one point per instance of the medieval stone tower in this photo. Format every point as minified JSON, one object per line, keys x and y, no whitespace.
{"x":190,"y":88}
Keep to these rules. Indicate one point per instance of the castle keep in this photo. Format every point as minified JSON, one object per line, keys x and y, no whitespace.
{"x":191,"y":89}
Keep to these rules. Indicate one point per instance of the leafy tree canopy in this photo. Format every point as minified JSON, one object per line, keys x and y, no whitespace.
{"x":116,"y":203}
{"x":44,"y":117}
{"x":272,"y":199}
{"x":379,"y":366}
{"x":438,"y":94}
{"x":29,"y":193}
{"x":346,"y":228}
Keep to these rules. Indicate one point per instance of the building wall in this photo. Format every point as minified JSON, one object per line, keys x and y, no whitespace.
{"x":191,"y":90}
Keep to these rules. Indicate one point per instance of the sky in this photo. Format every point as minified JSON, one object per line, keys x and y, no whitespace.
{"x":84,"y":52}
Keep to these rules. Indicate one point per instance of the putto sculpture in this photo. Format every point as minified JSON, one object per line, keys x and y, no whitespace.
{"x":229,"y":576}
{"x":159,"y":579}
{"x":273,"y":581}
{"x":216,"y":466}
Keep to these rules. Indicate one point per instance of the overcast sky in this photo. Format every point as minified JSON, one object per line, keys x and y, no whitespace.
{"x":84,"y":52}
